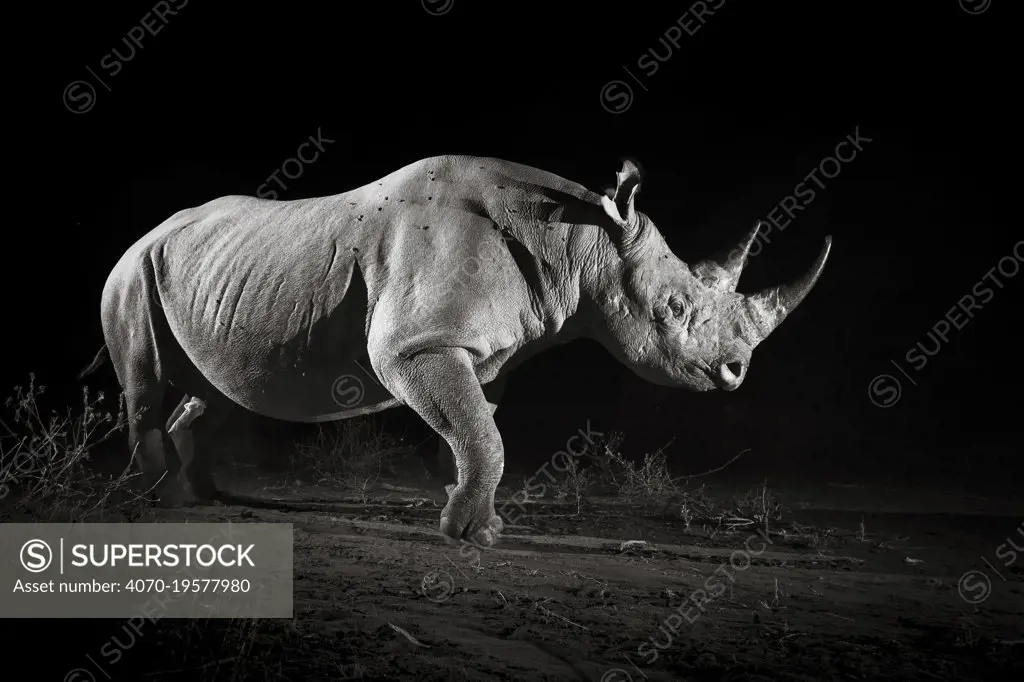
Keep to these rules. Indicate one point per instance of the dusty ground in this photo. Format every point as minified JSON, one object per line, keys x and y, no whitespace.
{"x":379,"y":595}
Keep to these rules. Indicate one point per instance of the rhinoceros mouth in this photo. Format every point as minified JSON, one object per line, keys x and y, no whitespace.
{"x":703,"y":373}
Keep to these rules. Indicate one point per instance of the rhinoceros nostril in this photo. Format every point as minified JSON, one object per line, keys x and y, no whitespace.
{"x":730,"y":375}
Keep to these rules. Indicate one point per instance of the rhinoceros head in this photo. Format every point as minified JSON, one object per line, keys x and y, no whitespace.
{"x":684,"y":325}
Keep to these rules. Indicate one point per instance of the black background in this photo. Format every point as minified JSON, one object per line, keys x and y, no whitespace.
{"x":742,"y":111}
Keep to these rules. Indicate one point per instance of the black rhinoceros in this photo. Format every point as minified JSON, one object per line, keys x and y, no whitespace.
{"x":423,"y":288}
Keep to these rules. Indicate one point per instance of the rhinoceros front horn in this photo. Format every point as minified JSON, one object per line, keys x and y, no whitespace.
{"x":767,"y":309}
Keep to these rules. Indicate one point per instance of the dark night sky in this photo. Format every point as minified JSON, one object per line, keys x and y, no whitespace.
{"x":742,"y":111}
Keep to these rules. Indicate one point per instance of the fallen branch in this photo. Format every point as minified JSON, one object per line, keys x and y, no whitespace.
{"x":552,"y":613}
{"x":409,"y":637}
{"x":716,"y":470}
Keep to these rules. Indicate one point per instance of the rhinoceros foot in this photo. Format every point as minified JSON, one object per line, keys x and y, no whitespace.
{"x":470,"y":517}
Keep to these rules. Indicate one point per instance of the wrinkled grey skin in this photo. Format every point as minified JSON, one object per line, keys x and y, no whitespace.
{"x":437,"y":279}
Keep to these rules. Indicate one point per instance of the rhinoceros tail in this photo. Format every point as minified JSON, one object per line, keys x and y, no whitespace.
{"x":101,"y":357}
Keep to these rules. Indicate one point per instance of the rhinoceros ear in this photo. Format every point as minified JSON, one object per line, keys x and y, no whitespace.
{"x":618,"y":203}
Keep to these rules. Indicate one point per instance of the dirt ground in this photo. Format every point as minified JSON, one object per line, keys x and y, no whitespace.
{"x":379,"y":595}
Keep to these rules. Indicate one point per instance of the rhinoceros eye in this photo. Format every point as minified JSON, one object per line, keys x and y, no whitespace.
{"x":677,"y":305}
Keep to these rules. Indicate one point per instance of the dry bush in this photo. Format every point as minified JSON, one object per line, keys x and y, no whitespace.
{"x":574,"y":483}
{"x":44,"y":460}
{"x":603,"y":455}
{"x":758,"y":507}
{"x":647,"y":482}
{"x":650,"y":478}
{"x":352,"y":455}
{"x":695,"y":504}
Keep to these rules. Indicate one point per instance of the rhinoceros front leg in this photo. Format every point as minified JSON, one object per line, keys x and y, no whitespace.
{"x":441,"y":386}
{"x":447,"y":465}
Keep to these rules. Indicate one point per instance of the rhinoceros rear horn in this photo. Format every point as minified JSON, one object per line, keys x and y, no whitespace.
{"x":734,"y":261}
{"x":618,"y":203}
{"x":767,"y":309}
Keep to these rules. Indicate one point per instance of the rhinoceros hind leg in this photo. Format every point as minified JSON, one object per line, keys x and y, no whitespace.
{"x":196,"y":473}
{"x":146,"y":441}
